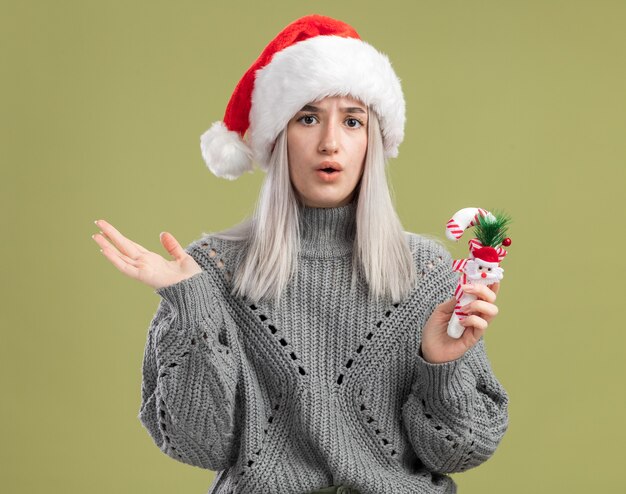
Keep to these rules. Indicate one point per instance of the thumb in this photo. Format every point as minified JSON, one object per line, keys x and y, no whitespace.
{"x":448,"y":306}
{"x":171,"y":245}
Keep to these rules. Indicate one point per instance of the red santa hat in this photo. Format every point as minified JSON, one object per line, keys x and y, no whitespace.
{"x":310,"y":59}
{"x":487,"y":254}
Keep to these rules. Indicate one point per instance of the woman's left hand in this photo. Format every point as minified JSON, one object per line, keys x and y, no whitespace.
{"x":437,"y":346}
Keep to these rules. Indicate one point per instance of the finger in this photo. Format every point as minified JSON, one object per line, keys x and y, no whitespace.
{"x":481,"y":308}
{"x":481,"y":291}
{"x":112,"y":255}
{"x":474,"y":321}
{"x":471,"y":335}
{"x":116,"y":234}
{"x":474,"y":329}
{"x":448,"y":306}
{"x":125,"y":245}
{"x":105,"y":244}
{"x":172,"y":245}
{"x":495,"y":287}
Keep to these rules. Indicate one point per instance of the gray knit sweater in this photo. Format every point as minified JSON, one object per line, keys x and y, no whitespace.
{"x":323,"y":388}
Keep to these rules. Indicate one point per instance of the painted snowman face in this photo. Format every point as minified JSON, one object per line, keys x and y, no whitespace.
{"x":483,"y":272}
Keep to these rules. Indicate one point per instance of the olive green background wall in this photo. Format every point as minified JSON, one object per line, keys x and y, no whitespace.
{"x":518,"y":105}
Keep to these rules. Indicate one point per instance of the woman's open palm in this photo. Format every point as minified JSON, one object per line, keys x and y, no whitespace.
{"x":141,"y":264}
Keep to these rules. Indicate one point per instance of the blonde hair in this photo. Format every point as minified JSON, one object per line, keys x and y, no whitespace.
{"x":271,"y":235}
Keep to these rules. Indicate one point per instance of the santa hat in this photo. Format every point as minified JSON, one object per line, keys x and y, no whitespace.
{"x":310,"y":59}
{"x":487,"y":254}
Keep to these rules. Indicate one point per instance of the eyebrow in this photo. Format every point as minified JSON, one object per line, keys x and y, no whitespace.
{"x":349,"y":109}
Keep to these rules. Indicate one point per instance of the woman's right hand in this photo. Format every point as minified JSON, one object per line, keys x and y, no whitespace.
{"x":141,"y":264}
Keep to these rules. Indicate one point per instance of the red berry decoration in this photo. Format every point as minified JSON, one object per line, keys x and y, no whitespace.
{"x":506,"y":242}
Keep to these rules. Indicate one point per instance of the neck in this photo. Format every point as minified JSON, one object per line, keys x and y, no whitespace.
{"x":327,"y":232}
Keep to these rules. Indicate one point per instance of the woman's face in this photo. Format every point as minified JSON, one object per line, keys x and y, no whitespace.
{"x":330,"y":133}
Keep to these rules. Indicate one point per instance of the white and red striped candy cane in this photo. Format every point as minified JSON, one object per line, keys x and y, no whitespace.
{"x":456,"y":226}
{"x":462,"y":220}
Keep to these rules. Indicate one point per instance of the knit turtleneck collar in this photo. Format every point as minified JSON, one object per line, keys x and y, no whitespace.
{"x":327,"y":232}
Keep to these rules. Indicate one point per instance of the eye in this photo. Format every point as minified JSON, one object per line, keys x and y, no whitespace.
{"x":307,"y":119}
{"x":480,"y":268}
{"x":488,"y":269}
{"x":355,"y":121}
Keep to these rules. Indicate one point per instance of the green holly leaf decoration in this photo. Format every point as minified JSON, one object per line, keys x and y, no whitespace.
{"x":491,"y":232}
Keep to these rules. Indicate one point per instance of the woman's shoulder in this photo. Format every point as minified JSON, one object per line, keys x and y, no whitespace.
{"x":434,"y":265}
{"x":427,"y":248}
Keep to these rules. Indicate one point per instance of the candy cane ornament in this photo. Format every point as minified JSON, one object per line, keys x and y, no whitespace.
{"x":483,"y":264}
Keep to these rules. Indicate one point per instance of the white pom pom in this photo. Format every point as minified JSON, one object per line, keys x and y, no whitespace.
{"x":225,"y":152}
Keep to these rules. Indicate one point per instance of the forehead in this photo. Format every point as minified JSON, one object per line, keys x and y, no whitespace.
{"x":339,"y":101}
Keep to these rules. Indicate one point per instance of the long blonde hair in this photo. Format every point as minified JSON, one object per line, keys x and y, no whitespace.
{"x":271,"y":235}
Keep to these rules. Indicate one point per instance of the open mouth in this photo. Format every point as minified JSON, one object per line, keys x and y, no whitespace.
{"x":328,"y":174}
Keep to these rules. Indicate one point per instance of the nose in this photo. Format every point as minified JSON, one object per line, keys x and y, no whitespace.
{"x":484,"y":275}
{"x":328,"y":141}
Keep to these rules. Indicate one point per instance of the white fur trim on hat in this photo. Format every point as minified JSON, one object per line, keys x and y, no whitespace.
{"x":226,"y":154}
{"x":318,"y":67}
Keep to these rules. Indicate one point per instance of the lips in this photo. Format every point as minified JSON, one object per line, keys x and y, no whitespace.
{"x":330,"y":166}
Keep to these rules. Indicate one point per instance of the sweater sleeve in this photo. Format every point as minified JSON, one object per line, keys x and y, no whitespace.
{"x":457,"y":412}
{"x":189,"y":377}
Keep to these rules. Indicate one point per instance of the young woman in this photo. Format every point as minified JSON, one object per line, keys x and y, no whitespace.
{"x":305,"y":350}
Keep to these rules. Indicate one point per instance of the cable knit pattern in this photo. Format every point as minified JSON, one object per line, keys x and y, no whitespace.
{"x":325,"y":387}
